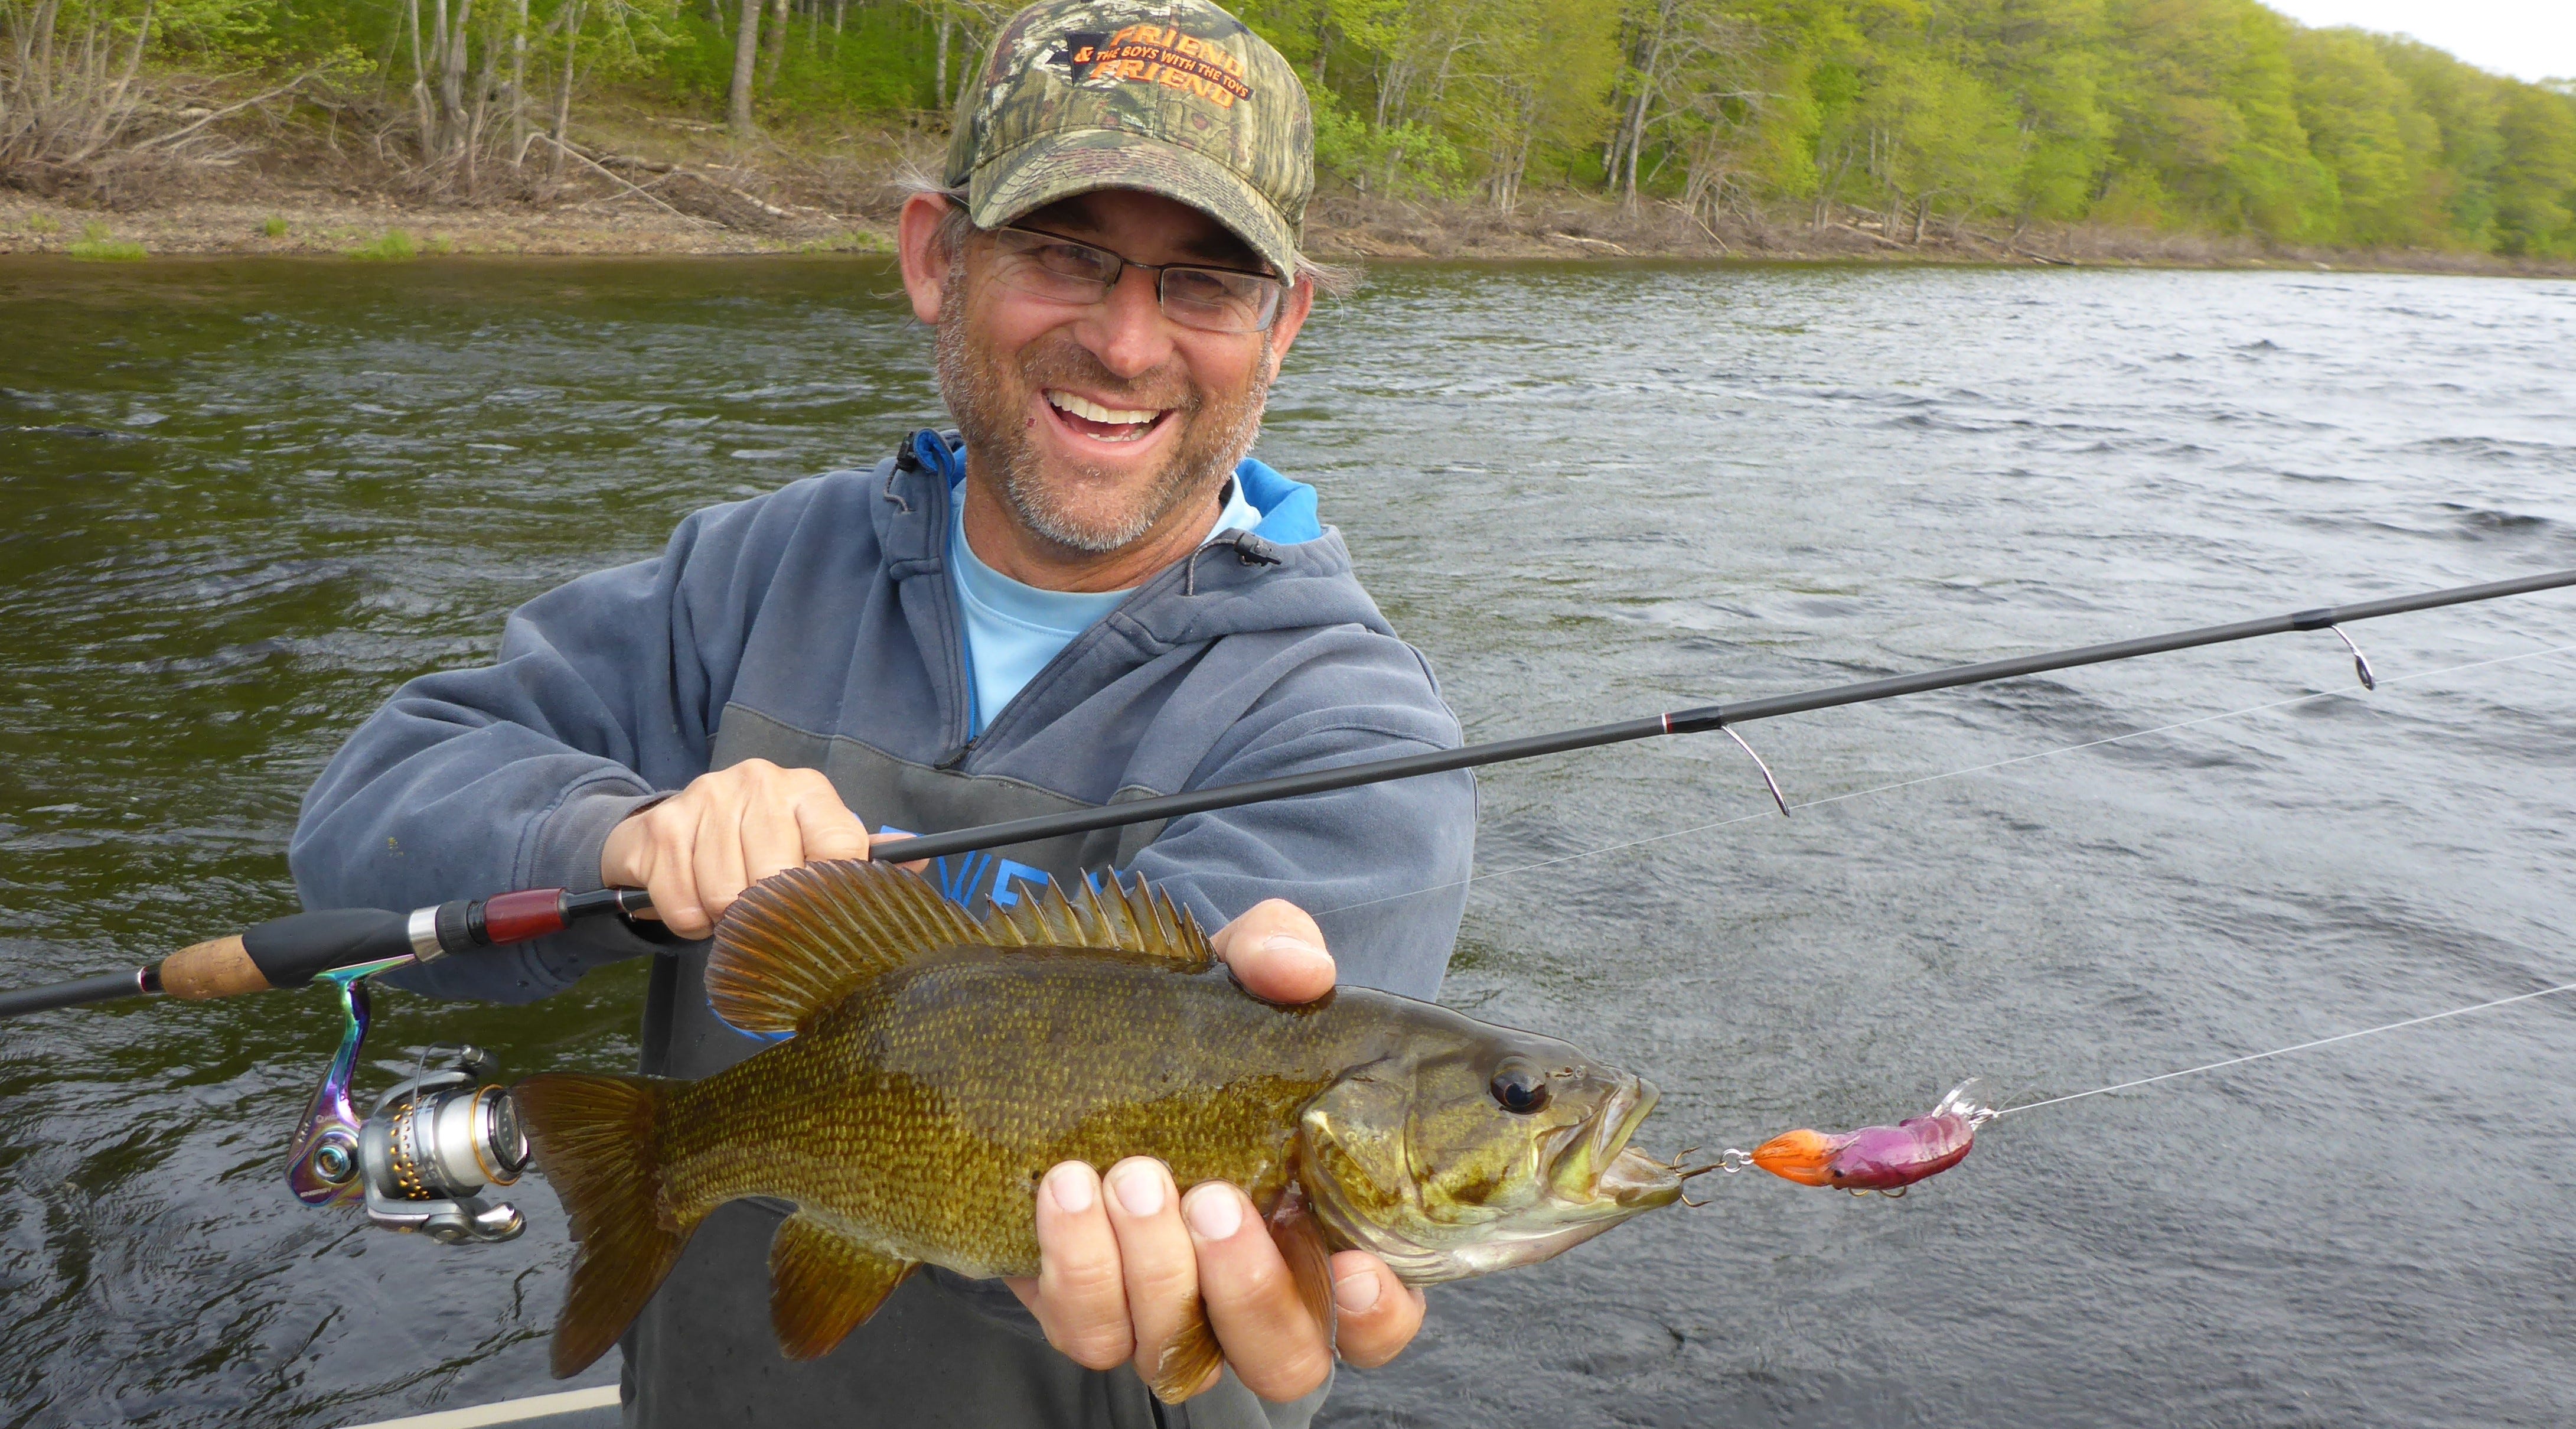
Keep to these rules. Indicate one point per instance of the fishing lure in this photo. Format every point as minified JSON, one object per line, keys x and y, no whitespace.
{"x":1884,"y":1159}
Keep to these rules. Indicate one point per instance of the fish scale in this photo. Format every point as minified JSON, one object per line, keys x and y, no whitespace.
{"x":942,"y":1064}
{"x":915,"y":1108}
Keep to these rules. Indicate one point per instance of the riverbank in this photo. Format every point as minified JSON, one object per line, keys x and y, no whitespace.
{"x":653,"y":185}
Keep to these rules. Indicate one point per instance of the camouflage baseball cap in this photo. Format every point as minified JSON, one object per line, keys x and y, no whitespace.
{"x":1174,"y":97}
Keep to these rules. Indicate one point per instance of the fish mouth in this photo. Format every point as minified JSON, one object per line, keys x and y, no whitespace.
{"x":1602,"y":1166}
{"x":1639,"y":1182}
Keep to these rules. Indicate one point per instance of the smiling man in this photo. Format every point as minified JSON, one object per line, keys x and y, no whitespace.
{"x":1090,"y":594}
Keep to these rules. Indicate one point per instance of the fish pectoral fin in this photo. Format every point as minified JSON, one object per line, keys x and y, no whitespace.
{"x":1189,"y":1361}
{"x":1190,"y":1358}
{"x":1310,"y":1261}
{"x":823,"y":1284}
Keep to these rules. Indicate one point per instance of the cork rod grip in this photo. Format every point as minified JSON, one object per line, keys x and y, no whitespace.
{"x":218,"y":967}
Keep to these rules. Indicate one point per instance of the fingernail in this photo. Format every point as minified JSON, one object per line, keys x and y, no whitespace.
{"x":1291,"y":944}
{"x":1356,"y":1294}
{"x":1139,"y":1187}
{"x":1070,"y":1187}
{"x":1214,"y":1212}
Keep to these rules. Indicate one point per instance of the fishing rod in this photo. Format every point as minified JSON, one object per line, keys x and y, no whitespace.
{"x":422,"y":1157}
{"x":292,"y":951}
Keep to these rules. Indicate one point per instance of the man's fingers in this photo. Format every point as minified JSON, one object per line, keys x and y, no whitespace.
{"x":773,"y":838}
{"x":827,"y":828}
{"x":1276,"y":1348}
{"x":1161,"y":1267}
{"x":1276,"y":952}
{"x":715,"y":859}
{"x":1378,"y":1314}
{"x":696,"y":851}
{"x":671,"y":876}
{"x":1081,"y":1297}
{"x":881,"y":837}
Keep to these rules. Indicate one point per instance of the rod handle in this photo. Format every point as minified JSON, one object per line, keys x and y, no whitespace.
{"x":217,"y":967}
{"x":517,"y":917}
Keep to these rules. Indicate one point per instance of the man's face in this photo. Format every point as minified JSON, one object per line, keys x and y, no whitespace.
{"x":1098,"y":421}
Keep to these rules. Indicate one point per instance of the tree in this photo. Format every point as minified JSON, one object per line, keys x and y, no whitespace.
{"x":2363,"y":126}
{"x":2535,"y":177}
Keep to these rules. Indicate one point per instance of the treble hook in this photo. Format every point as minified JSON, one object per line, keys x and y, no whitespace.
{"x":1687,"y":1172}
{"x":1768,"y":782}
{"x":2360,"y":662}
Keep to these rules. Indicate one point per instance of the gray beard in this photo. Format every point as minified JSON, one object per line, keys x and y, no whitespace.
{"x":990,"y":416}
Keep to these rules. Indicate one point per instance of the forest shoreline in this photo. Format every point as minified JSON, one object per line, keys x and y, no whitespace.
{"x":1350,"y":229}
{"x":647,"y":185}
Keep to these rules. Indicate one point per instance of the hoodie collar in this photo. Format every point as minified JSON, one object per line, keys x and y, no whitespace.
{"x":1289,"y":516}
{"x":1288,"y":572}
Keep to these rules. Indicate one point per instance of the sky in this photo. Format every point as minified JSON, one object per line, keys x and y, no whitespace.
{"x":2528,"y":39}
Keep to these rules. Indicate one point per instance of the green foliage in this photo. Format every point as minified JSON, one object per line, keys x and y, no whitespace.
{"x":39,"y":223}
{"x":1906,"y":115}
{"x":274,"y":228}
{"x":2363,"y":126}
{"x":852,"y":241}
{"x":2207,"y":108}
{"x":1406,"y":160}
{"x":98,"y":245}
{"x":2535,"y":176}
{"x":881,"y":60}
{"x":392,"y":246}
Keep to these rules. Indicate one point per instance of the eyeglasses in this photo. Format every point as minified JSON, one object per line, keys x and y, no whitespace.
{"x":1065,"y":271}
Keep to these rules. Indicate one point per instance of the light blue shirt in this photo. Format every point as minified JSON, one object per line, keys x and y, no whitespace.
{"x":1013,"y":630}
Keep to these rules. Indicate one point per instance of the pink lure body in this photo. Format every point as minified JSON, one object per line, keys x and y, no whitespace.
{"x":1879,"y":1158}
{"x":1887,"y":1158}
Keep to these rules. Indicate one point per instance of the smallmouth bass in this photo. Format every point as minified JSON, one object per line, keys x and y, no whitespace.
{"x":943,"y":1063}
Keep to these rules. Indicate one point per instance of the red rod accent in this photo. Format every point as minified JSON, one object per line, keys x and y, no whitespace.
{"x":530,"y":913}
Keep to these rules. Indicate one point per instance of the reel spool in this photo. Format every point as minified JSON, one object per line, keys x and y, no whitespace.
{"x":434,"y":1142}
{"x":422,"y":1156}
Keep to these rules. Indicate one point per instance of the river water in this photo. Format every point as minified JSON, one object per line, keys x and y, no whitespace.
{"x":245,"y":500}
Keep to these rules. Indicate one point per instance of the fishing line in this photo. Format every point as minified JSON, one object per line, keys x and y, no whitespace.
{"x":292,"y":951}
{"x":2298,"y":1047}
{"x":1988,"y":767}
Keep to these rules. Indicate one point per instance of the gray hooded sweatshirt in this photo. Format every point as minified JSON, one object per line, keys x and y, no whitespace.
{"x":818,"y":627}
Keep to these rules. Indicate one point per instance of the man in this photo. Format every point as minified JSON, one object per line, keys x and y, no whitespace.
{"x":1094,"y":597}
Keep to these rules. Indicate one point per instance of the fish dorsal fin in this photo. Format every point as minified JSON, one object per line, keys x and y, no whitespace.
{"x":798,"y":942}
{"x":1127,"y":918}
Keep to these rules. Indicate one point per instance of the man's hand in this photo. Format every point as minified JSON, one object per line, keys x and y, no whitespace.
{"x":696,"y":851}
{"x":1123,"y":1264}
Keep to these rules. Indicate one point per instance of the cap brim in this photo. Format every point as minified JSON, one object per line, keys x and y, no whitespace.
{"x":1058,"y":166}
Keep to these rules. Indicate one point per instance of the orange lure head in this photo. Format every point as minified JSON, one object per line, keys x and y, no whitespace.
{"x":1799,"y":1156}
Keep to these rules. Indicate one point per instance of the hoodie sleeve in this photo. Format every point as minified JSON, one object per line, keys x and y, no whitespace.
{"x":1382,"y":867}
{"x":472,"y":782}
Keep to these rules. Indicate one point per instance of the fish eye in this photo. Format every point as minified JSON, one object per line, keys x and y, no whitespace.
{"x":1518,"y":1087}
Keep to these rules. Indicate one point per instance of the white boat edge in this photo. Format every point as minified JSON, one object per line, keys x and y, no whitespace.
{"x":508,"y":1411}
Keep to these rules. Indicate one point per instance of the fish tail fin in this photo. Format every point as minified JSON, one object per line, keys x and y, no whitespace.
{"x":597,"y":1140}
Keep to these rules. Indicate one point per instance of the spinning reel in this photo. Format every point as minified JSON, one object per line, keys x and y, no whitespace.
{"x":422,"y":1156}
